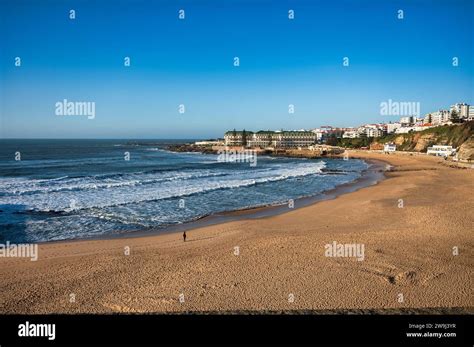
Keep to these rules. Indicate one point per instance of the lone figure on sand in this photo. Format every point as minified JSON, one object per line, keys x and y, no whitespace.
{"x":184,"y":236}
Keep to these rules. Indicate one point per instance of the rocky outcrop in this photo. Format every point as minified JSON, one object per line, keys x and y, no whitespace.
{"x":466,"y":150}
{"x":316,"y":152}
{"x":189,"y":147}
{"x":376,"y":146}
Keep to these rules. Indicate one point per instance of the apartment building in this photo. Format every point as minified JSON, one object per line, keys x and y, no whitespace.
{"x":440,"y":117}
{"x":392,"y":127}
{"x":462,"y":109}
{"x":277,"y":139}
{"x":351,"y":134}
{"x":237,"y":138}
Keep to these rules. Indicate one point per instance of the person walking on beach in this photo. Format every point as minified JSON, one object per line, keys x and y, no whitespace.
{"x":184,"y":236}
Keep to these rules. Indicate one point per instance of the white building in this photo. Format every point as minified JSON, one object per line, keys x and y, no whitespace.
{"x":264,"y":139}
{"x":417,"y":121}
{"x":406,"y":130}
{"x":391,"y":127}
{"x":428,"y":119}
{"x":371,"y":130}
{"x":374,"y":132}
{"x":462,"y":109}
{"x":294,"y":139}
{"x":236,"y":138}
{"x":350,"y":134}
{"x":320,"y":134}
{"x":441,"y":151}
{"x":209,"y":143}
{"x":406,"y":121}
{"x":389,"y":147}
{"x":470,"y":114}
{"x":440,"y":117}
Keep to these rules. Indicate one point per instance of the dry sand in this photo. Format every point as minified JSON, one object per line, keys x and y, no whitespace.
{"x":408,"y":251}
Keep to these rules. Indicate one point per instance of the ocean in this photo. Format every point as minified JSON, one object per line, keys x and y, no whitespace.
{"x":72,"y":189}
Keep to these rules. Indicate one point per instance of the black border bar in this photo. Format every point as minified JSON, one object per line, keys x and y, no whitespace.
{"x":239,"y":329}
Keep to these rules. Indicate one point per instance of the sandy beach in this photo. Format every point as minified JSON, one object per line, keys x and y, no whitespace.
{"x":407,"y":223}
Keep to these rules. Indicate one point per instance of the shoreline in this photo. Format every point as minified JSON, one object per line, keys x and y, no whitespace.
{"x":407,"y":251}
{"x":370,"y":176}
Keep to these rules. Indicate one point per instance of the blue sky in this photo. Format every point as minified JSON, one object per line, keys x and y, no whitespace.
{"x":190,"y":62}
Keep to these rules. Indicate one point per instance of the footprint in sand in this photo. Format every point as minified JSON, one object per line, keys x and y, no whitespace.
{"x":120,"y":308}
{"x":432,"y":277}
{"x":404,"y":278}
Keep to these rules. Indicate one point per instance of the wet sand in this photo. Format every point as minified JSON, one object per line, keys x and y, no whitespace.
{"x":281,"y":264}
{"x":370,"y":176}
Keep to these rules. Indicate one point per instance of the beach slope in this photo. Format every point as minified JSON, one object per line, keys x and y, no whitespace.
{"x":416,"y":228}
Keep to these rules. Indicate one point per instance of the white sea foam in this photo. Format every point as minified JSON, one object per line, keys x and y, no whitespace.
{"x":86,"y":193}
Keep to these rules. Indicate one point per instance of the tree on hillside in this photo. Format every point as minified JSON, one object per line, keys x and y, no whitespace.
{"x":244,"y":138}
{"x":455,"y":117}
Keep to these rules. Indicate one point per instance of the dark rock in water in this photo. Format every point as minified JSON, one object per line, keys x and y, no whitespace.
{"x":143,"y":143}
{"x":336,"y":171}
{"x":191,"y":148}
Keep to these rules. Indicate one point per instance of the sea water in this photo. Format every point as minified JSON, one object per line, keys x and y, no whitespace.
{"x":70,"y":189}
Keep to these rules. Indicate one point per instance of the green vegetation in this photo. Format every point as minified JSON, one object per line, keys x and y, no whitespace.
{"x":244,"y":138}
{"x":455,"y":117}
{"x":355,"y":143}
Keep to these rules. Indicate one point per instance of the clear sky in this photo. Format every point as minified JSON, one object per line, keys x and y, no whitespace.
{"x":190,"y":62}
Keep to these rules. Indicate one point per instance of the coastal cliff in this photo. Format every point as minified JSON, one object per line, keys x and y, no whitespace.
{"x":459,"y":136}
{"x":466,"y":150}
